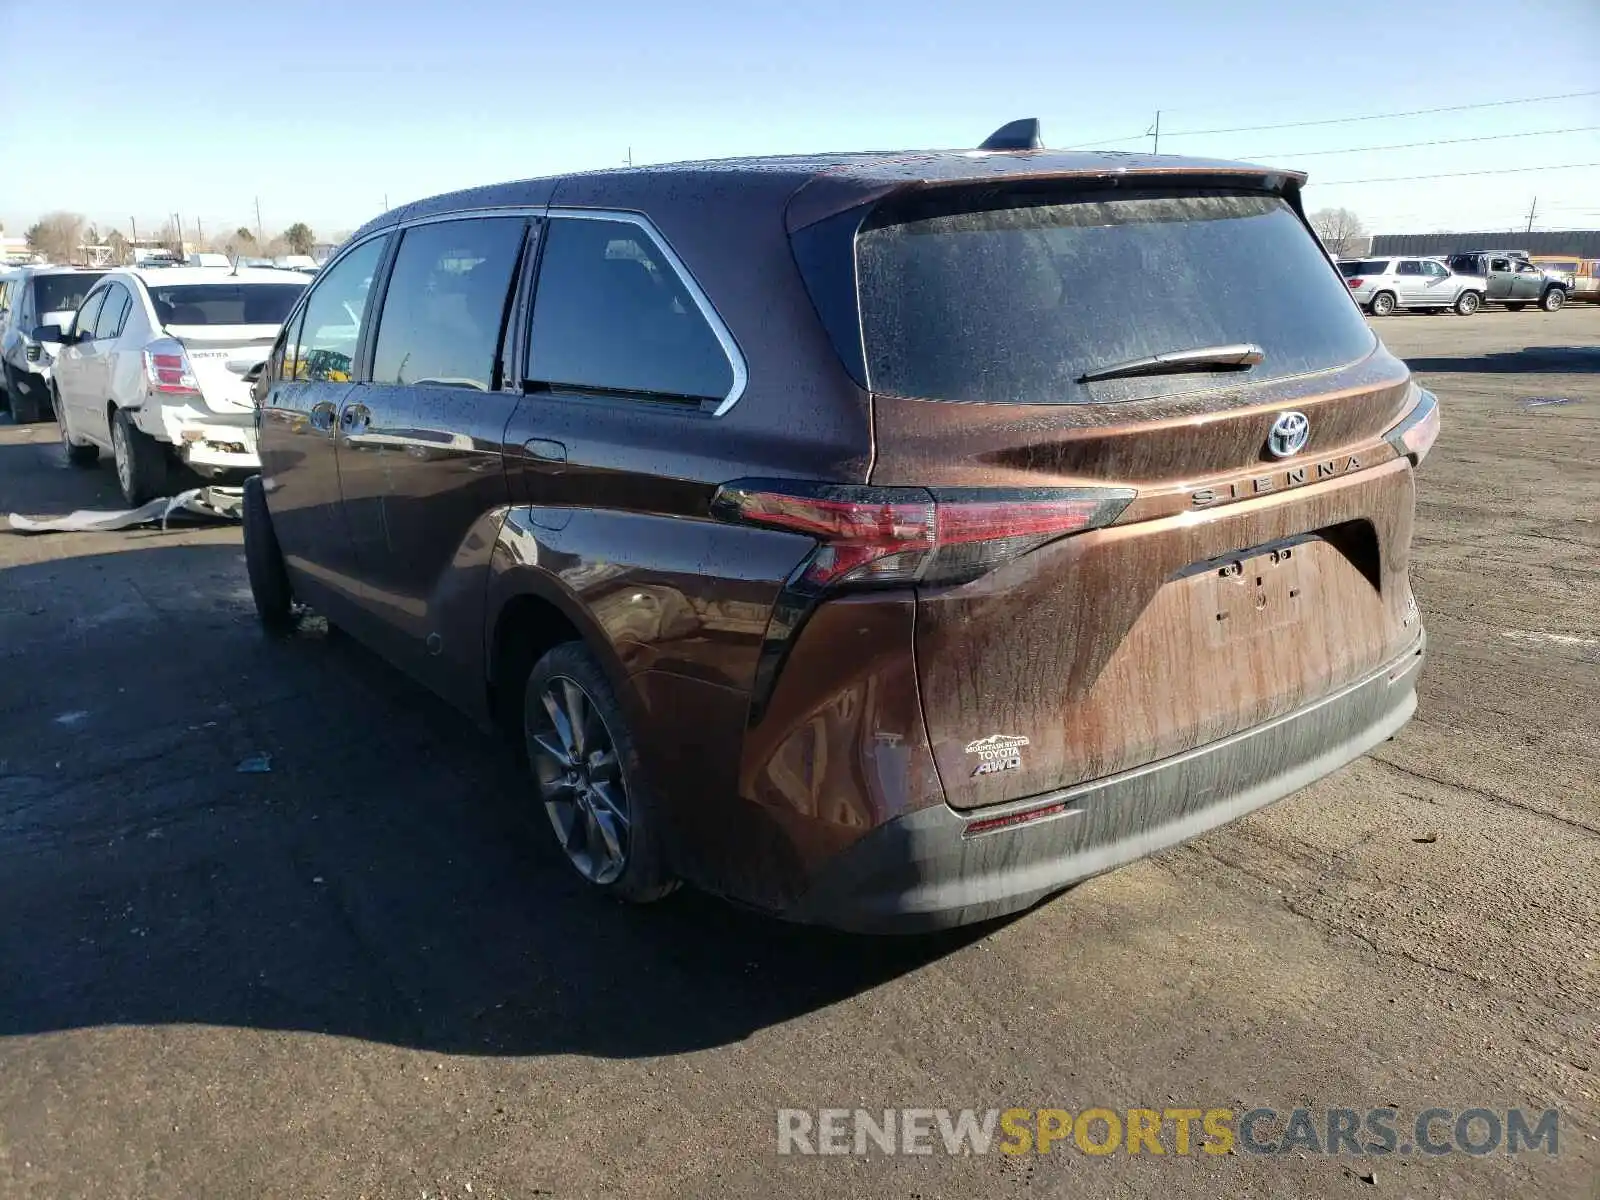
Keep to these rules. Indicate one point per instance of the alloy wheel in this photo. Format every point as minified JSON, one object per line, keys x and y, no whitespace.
{"x":580,"y":779}
{"x":122,"y":453}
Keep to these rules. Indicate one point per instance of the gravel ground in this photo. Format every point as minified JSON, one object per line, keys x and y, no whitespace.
{"x":363,"y":974}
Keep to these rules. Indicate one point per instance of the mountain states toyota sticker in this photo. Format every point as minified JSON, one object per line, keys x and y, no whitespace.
{"x":997,"y":752}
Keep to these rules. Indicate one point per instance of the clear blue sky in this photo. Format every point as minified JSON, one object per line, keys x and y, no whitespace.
{"x":324,"y":109}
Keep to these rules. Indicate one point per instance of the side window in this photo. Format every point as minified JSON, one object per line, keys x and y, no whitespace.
{"x":113,"y":313}
{"x":334,"y":315}
{"x":1409,"y":267}
{"x":611,"y":314}
{"x":1499,"y":264}
{"x":84,"y":322}
{"x":445,"y":305}
{"x":1435,"y":269}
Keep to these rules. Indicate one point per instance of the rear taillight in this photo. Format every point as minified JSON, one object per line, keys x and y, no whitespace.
{"x":1355,"y":281}
{"x":166,"y":367}
{"x":1416,"y":432}
{"x":894,"y":536}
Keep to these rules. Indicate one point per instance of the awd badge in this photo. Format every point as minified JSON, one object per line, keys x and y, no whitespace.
{"x":997,"y":752}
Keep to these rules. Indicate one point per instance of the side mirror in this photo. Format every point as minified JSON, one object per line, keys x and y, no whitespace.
{"x":53,"y":333}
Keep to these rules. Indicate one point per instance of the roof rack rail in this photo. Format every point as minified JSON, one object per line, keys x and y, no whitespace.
{"x":1021,"y":134}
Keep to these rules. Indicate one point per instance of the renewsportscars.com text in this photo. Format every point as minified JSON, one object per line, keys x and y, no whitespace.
{"x":1173,"y":1130}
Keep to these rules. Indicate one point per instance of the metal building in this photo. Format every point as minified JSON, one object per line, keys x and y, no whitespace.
{"x":1578,"y":243}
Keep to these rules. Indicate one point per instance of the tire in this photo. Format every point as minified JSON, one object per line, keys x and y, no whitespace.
{"x":263,"y":561}
{"x":141,"y":462}
{"x":1468,"y":303}
{"x":1553,"y":299}
{"x":85,"y":455}
{"x":1383,"y":304}
{"x":1518,"y":306}
{"x":27,"y":407}
{"x":602,"y":815}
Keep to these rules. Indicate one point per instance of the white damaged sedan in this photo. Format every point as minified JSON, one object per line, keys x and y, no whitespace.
{"x":153,"y":368}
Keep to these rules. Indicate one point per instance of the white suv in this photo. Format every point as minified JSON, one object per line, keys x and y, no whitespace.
{"x":1381,"y":285}
{"x":153,"y":368}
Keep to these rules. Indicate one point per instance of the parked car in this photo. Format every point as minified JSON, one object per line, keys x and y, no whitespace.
{"x":1581,"y":276}
{"x":36,"y":296}
{"x":870,"y":538}
{"x":1382,"y":285}
{"x":152,"y":369}
{"x":207,"y":259}
{"x":1512,"y":280}
{"x":8,"y":275}
{"x":296,"y":262}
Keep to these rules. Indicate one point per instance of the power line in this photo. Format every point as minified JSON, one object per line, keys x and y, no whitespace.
{"x":1460,"y":174}
{"x":1490,"y":137}
{"x":1415,"y":112}
{"x":1386,"y":116}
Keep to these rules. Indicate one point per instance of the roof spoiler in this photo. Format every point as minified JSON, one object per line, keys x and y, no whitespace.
{"x":1022,"y":134}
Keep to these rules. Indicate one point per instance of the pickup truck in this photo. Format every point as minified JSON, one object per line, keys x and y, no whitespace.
{"x":1512,"y":280}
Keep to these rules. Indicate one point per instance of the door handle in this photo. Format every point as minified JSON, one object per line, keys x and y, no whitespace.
{"x":355,"y":418}
{"x":544,"y":450}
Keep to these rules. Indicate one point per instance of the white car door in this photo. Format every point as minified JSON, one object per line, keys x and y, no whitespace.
{"x":98,"y":363}
{"x":1437,"y":285}
{"x":71,"y":365}
{"x":1410,"y":283}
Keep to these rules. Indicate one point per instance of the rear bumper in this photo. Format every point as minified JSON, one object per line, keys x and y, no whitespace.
{"x":919,"y":872}
{"x":214,"y":444}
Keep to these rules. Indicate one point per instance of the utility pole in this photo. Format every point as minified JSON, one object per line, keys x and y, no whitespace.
{"x":1155,"y":132}
{"x":134,"y":225}
{"x":630,"y":156}
{"x":1532,"y":209}
{"x":260,"y":237}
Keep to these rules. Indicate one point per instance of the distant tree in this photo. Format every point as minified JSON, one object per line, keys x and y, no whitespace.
{"x":119,"y":247}
{"x":299,"y":237}
{"x":1339,"y":229}
{"x":91,"y":237}
{"x":243,"y":237}
{"x":57,"y":236}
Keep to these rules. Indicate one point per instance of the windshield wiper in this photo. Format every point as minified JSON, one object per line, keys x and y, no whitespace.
{"x":1237,"y":357}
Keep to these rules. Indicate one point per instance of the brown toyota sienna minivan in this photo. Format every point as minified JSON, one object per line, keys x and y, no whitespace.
{"x":882,"y":540}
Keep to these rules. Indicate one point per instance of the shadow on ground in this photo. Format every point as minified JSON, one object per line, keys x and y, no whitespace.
{"x":1566,"y":360}
{"x":383,"y":881}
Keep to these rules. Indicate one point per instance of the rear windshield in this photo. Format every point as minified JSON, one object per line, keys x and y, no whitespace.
{"x":1367,"y":266}
{"x":1464,"y":264}
{"x":1013,"y":303}
{"x":224,"y":303}
{"x":61,"y":293}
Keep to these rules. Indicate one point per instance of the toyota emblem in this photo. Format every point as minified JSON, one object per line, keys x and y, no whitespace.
{"x":1289,"y":434}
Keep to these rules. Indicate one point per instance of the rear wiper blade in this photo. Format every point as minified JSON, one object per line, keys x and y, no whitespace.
{"x":1237,"y":357}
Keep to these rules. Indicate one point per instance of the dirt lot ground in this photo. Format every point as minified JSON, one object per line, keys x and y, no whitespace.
{"x":363,"y":974}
